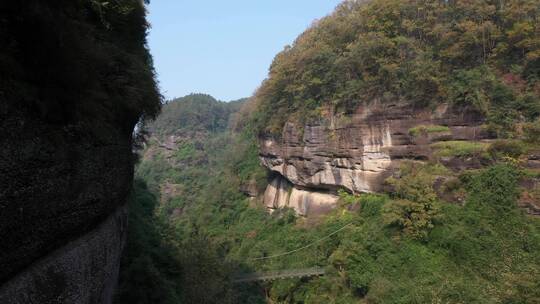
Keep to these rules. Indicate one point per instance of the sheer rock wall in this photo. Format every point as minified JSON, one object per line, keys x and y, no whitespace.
{"x":355,"y":152}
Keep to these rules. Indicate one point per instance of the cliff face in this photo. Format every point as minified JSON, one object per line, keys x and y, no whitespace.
{"x":358,"y":55}
{"x":357,"y":152}
{"x":67,"y":111}
{"x":83,"y":271}
{"x":63,"y":215}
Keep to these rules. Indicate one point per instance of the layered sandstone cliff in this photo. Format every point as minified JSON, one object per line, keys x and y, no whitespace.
{"x":356,"y":152}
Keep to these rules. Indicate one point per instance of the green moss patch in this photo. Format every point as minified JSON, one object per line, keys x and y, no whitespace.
{"x":459,"y":148}
{"x":427,"y":129}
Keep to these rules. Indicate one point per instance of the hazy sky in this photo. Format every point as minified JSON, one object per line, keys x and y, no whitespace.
{"x":224,"y":47}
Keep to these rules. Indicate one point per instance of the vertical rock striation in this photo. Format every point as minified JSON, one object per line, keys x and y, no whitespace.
{"x":355,"y":152}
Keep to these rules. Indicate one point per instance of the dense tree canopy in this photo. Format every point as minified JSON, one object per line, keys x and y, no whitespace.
{"x":465,"y":53}
{"x":405,"y":246}
{"x":195,"y":112}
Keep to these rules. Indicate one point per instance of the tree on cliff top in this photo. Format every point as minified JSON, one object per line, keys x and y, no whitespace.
{"x":403,"y":51}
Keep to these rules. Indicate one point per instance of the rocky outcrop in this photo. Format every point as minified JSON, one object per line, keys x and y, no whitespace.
{"x":83,"y":271}
{"x":356,"y":152}
{"x":280,"y":193}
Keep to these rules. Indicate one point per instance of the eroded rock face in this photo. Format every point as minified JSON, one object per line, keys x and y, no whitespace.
{"x":277,"y":193}
{"x":312,"y":203}
{"x":281,"y":193}
{"x":324,"y":162}
{"x":357,"y":152}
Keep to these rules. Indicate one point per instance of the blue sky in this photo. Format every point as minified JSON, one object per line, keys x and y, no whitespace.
{"x":224,"y":47}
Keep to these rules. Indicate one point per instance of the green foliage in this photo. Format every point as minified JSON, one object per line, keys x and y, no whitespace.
{"x":423,"y":130}
{"x":502,"y":101}
{"x":372,"y":204}
{"x":149,"y":268}
{"x":502,"y":149}
{"x":467,"y":258}
{"x":245,"y":160}
{"x":532,"y":132}
{"x":414,"y":219}
{"x":159,"y":268}
{"x":154,"y":172}
{"x":459,"y":148}
{"x":185,"y":152}
{"x":204,"y":165}
{"x":472,"y":88}
{"x":204,"y":276}
{"x":415,"y":183}
{"x":195,"y":112}
{"x":497,"y":187}
{"x":490,"y":220}
{"x":483,"y":55}
{"x":92,"y":65}
{"x":483,"y":252}
{"x":417,"y":209}
{"x":348,"y":199}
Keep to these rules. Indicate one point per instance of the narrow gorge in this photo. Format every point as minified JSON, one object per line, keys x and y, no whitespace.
{"x":388,"y":154}
{"x":391,"y":155}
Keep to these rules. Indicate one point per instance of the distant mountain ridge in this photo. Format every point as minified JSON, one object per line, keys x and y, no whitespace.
{"x":195,"y":112}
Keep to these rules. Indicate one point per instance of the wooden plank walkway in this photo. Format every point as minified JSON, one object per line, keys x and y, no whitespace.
{"x":280,"y":274}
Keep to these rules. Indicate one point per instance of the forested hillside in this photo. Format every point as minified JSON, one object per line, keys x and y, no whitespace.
{"x":196,"y":112}
{"x":188,"y":184}
{"x":206,"y":230}
{"x":480,"y":54}
{"x":446,"y":225}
